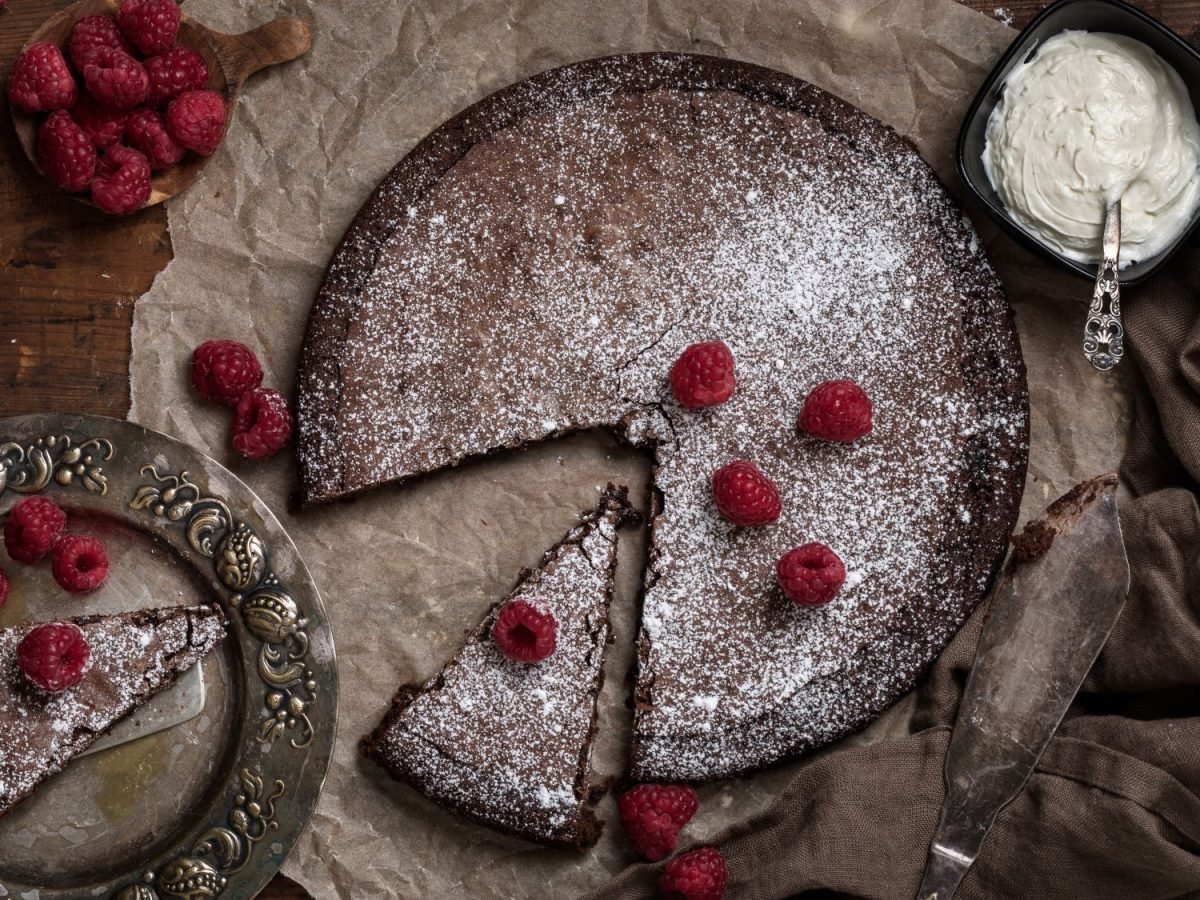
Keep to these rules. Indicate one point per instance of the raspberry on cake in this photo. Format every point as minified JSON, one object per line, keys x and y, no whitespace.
{"x":151,"y":25}
{"x":32,"y":528}
{"x":262,"y":423}
{"x":836,"y":410}
{"x":525,"y":630}
{"x":703,"y":375}
{"x":225,"y":370}
{"x":745,"y":496}
{"x":79,"y":563}
{"x":54,"y":656}
{"x":699,"y":875}
{"x":654,"y":814}
{"x":811,"y":574}
{"x":41,"y":80}
{"x":65,"y":153}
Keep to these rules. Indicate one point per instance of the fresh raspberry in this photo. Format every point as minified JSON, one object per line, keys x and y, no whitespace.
{"x":151,"y":24}
{"x":197,"y":120}
{"x":103,"y":125}
{"x":699,"y":875}
{"x":744,"y":495}
{"x":5,"y":587}
{"x":175,"y":71}
{"x":33,"y":528}
{"x":837,"y":411}
{"x":65,"y":153}
{"x":525,"y":630}
{"x":653,"y":814}
{"x":54,"y":656}
{"x":79,"y":563}
{"x":147,"y":133}
{"x":41,"y":80}
{"x":810,"y":574}
{"x":122,"y":182}
{"x":115,"y":78}
{"x":262,"y":423}
{"x":703,"y":375}
{"x":91,"y":33}
{"x":224,"y":370}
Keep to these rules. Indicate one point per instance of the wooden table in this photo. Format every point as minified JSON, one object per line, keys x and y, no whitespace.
{"x":69,"y":276}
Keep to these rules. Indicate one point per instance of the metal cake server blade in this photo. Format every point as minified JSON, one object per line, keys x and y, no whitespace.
{"x":172,"y":707}
{"x":1057,"y":602}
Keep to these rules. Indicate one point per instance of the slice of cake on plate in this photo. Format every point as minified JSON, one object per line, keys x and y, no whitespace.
{"x":59,"y":694}
{"x":503,"y":734}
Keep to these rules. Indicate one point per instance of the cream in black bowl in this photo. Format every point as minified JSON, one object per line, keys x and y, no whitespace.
{"x":1093,"y":101}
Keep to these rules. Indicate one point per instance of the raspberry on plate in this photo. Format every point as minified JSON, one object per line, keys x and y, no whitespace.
{"x":699,"y":875}
{"x":744,"y":495}
{"x":103,"y":125}
{"x":122,"y":182}
{"x":197,"y":120}
{"x":525,"y":630}
{"x":810,"y":575}
{"x":262,"y":423}
{"x":5,"y":587}
{"x":92,"y":32}
{"x":79,"y":563}
{"x":41,"y":81}
{"x":175,"y":71}
{"x":703,"y":375}
{"x":115,"y":78}
{"x":836,"y":410}
{"x":65,"y":153}
{"x":653,"y":815}
{"x":32,"y":529}
{"x":224,"y":370}
{"x":152,"y":25}
{"x":54,"y":656}
{"x":147,"y":133}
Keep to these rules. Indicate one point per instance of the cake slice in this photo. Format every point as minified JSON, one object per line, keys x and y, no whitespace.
{"x":509,"y":744}
{"x":134,"y":655}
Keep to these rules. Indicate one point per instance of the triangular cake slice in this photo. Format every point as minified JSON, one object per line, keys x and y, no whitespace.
{"x":509,"y":744}
{"x":134,"y":655}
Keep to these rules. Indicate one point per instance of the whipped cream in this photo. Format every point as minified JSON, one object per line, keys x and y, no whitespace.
{"x":1091,"y":119}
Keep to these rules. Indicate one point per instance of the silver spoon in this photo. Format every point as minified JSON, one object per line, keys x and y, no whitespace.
{"x":1103,"y":334}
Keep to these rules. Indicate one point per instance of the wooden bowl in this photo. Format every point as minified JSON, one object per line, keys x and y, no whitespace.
{"x":231,"y":58}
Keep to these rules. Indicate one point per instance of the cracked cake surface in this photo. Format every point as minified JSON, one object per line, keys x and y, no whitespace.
{"x":508,"y":743}
{"x":133,"y":656}
{"x":535,"y":266}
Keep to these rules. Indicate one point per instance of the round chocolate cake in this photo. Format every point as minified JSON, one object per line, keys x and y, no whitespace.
{"x":536,"y":265}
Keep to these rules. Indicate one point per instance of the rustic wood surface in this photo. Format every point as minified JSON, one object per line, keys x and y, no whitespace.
{"x":69,"y":275}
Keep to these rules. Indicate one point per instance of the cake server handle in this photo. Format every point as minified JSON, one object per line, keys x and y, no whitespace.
{"x":1103,"y":333}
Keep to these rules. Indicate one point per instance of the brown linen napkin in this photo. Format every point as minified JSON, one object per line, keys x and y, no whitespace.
{"x":1113,"y":809}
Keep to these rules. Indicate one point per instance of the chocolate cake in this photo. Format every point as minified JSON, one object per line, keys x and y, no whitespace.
{"x":534,"y":267}
{"x":133,"y":656}
{"x":506,"y":743}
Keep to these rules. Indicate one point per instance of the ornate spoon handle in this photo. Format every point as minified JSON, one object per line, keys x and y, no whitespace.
{"x":1103,"y":334}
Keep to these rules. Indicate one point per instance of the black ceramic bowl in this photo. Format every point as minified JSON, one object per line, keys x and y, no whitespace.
{"x":1076,"y":15}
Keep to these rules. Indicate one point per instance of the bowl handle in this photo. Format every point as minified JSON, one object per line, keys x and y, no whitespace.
{"x":278,"y":41}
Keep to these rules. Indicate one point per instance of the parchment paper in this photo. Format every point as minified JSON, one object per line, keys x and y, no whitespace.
{"x":406,"y":572}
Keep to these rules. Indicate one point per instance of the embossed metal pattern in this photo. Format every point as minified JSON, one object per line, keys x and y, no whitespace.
{"x":278,"y":622}
{"x":1103,"y":332}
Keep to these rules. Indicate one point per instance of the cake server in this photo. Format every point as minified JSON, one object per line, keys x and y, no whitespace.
{"x":180,"y":704}
{"x":1059,"y":597}
{"x":1103,"y":333}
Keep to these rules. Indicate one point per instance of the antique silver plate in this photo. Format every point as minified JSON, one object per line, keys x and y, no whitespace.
{"x":210,"y":807}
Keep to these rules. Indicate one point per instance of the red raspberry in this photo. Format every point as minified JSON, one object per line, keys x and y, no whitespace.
{"x":54,"y":656}
{"x":262,"y":423}
{"x":65,"y":153}
{"x":79,"y":563}
{"x":197,"y":120}
{"x":810,"y":574}
{"x":224,"y":370}
{"x":699,"y":875}
{"x":5,"y":587}
{"x":92,"y":32}
{"x":103,"y":125}
{"x":41,"y":81}
{"x":151,"y":24}
{"x":653,"y":814}
{"x":525,"y":630}
{"x":33,"y":528}
{"x":836,"y":411}
{"x":703,"y":375}
{"x":115,"y":78}
{"x":744,"y":495}
{"x":147,"y":132}
{"x":122,"y":182}
{"x":175,"y":71}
